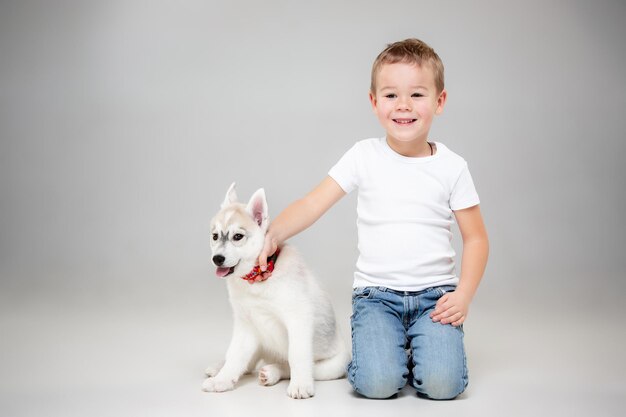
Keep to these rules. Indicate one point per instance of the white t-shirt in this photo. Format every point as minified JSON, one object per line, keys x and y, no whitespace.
{"x":405,"y":213}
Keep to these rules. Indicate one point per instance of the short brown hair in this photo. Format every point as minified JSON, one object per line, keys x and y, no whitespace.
{"x":409,"y":51}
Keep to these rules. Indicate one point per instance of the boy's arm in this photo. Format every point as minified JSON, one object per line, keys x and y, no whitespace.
{"x":452,"y":307}
{"x":298,"y":216}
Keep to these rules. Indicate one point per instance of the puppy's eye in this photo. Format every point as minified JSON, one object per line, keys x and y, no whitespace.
{"x":237,"y":237}
{"x":215,"y":236}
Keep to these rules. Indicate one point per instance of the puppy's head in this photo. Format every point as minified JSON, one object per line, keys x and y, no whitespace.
{"x":238,"y":233}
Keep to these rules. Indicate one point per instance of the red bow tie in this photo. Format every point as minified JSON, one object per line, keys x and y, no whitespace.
{"x":256,"y":271}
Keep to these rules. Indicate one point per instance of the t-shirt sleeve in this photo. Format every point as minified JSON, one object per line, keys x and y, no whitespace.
{"x":344,"y":172}
{"x":464,"y":193}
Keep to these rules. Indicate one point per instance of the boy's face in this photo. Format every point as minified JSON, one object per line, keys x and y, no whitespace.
{"x":406,"y":100}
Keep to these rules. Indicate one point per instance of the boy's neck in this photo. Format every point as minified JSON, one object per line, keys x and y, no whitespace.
{"x":414,"y":149}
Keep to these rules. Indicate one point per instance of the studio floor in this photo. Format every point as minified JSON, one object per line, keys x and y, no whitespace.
{"x":78,"y":352}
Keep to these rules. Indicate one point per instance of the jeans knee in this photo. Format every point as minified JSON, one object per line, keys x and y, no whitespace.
{"x":441,"y":387}
{"x":377,"y":389}
{"x":376,"y":386}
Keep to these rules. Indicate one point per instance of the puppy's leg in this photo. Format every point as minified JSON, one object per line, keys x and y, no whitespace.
{"x":213,"y":370}
{"x":241,"y":351}
{"x":301,"y":359}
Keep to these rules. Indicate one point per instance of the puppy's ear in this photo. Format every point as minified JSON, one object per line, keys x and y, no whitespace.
{"x":257,"y":207}
{"x":231,"y":196}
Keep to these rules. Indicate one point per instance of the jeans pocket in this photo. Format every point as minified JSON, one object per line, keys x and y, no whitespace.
{"x":362,"y":293}
{"x":441,"y":291}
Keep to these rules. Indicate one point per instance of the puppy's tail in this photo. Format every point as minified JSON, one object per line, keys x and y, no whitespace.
{"x":333,"y":367}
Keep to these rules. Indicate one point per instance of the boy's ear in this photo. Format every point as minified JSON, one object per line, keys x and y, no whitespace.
{"x":441,"y":101}
{"x":373,"y":100}
{"x":231,"y":196}
{"x":257,"y":207}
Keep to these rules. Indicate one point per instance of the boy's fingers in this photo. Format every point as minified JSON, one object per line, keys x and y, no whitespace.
{"x":442,"y":313}
{"x":263,"y":258}
{"x":436,"y":317}
{"x":452,"y":318}
{"x":262,"y":277}
{"x":253,"y":281}
{"x":263,"y":261}
{"x":440,"y":307}
{"x":459,"y":321}
{"x":440,"y":303}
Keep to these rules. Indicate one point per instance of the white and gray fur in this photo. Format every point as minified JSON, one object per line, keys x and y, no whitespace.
{"x":287,"y":322}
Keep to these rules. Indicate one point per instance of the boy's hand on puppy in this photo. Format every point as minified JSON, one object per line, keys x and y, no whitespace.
{"x":451,"y":308}
{"x":269,"y":248}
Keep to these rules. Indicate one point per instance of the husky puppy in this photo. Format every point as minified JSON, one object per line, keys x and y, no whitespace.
{"x":287,"y":322}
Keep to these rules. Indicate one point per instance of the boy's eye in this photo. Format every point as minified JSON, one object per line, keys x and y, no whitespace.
{"x":390,"y":96}
{"x":237,"y":237}
{"x":215,"y":236}
{"x":417,"y":95}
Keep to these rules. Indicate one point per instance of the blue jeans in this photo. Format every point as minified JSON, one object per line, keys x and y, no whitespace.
{"x":394,"y":341}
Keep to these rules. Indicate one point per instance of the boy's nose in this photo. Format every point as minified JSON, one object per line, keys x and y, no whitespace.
{"x":404,"y":104}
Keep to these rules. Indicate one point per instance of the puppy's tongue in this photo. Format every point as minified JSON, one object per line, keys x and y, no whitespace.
{"x":222,"y":272}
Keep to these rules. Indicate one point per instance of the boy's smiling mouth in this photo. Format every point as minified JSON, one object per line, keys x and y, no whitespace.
{"x":404,"y":121}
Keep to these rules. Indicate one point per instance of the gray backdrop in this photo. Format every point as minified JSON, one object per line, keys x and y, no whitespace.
{"x":122,"y":123}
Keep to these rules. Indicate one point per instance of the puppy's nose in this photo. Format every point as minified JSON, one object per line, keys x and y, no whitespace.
{"x":218,"y":260}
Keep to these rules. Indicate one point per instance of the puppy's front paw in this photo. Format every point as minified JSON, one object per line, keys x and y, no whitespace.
{"x":300,"y":390}
{"x":217,"y":385}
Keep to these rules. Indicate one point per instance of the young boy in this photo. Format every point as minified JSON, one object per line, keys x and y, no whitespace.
{"x":408,"y":304}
